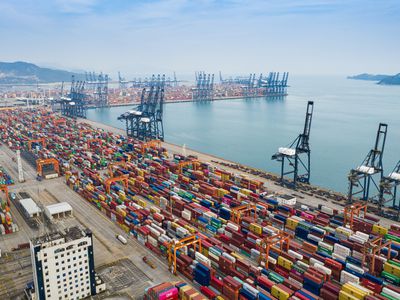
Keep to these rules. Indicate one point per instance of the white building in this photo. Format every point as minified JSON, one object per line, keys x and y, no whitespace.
{"x":58,"y":210}
{"x":63,"y":265}
{"x":286,"y":199}
{"x":30,"y":208}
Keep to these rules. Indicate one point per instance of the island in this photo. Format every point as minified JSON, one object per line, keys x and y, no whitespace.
{"x":380,"y":78}
{"x":391,"y":80}
{"x":366,"y":76}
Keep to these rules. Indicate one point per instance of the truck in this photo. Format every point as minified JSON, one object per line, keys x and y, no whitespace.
{"x":121,"y":239}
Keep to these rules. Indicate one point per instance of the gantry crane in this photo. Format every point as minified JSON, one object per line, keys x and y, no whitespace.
{"x":38,"y":141}
{"x":363,"y":176}
{"x":112,"y":164}
{"x":90,"y":142}
{"x":293,"y":154}
{"x":48,"y":161}
{"x":109,"y":181}
{"x":84,"y":132}
{"x":388,"y":188}
{"x":352,"y":210}
{"x":238,"y":211}
{"x":4,"y":188}
{"x":60,"y":121}
{"x":282,"y":239}
{"x":182,"y":164}
{"x":373,"y":248}
{"x":156,"y":144}
{"x":174,"y":246}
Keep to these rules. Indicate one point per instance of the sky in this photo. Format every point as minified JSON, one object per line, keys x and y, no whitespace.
{"x":234,"y":36}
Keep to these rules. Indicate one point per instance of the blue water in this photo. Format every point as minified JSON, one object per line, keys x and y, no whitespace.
{"x":344,"y":125}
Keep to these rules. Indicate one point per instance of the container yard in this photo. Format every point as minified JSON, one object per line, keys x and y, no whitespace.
{"x":227,"y":235}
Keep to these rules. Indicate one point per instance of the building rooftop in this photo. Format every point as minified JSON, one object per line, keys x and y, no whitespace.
{"x":30,"y":206}
{"x":286,"y":197}
{"x":58,"y":208}
{"x":69,"y":234}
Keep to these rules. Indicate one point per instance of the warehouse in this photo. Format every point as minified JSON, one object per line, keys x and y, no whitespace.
{"x":58,"y":211}
{"x":30,"y":208}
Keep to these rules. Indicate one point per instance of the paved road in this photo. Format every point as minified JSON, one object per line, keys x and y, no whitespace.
{"x":107,"y":248}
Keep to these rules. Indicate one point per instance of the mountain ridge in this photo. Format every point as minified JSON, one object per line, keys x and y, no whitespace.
{"x":20,"y":72}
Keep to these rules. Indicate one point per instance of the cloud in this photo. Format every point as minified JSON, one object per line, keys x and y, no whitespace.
{"x":75,"y":6}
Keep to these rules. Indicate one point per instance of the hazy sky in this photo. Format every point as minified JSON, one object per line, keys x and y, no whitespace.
{"x":235,"y":36}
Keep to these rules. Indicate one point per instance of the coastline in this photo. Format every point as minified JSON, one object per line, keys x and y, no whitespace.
{"x":303,"y":197}
{"x":191,"y":100}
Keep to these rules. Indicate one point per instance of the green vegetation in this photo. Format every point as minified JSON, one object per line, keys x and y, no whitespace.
{"x":23,"y":72}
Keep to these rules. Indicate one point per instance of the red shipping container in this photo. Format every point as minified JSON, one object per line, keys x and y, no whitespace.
{"x":208,"y":292}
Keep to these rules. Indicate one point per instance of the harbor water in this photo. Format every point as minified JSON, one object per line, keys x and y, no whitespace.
{"x":249,"y":131}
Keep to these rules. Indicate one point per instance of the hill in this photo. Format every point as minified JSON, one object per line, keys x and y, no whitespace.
{"x":366,"y":76}
{"x":391,"y":80}
{"x":23,"y":72}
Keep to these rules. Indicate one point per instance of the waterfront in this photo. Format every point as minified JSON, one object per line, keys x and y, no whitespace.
{"x":346,"y":117}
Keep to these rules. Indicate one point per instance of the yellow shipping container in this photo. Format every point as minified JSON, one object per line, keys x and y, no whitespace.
{"x":352,"y":290}
{"x":279,"y":293}
{"x":342,"y":231}
{"x":222,"y":192}
{"x":255,"y":228}
{"x":285,"y":263}
{"x":346,"y":296}
{"x":124,"y":227}
{"x":292,"y":223}
{"x":245,"y":191}
{"x":142,"y":203}
{"x":379,"y":229}
{"x":183,"y":289}
{"x":392,"y":269}
{"x":204,"y":251}
{"x":122,"y":212}
{"x":291,"y":226}
{"x":190,"y":228}
{"x":192,"y":296}
{"x":225,"y":177}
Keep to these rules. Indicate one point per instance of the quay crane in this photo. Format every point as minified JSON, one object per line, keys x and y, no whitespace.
{"x":293,"y":154}
{"x":388,"y":189}
{"x":75,"y":105}
{"x":204,"y":90}
{"x":145,"y":122}
{"x":360,"y":179}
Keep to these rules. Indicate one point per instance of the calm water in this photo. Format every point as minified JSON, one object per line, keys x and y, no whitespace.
{"x":345,"y":121}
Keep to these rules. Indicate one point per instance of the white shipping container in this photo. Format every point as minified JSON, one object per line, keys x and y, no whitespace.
{"x":391,"y":293}
{"x":296,"y":255}
{"x":355,"y":268}
{"x":228,"y":256}
{"x":314,"y":261}
{"x":323,"y":269}
{"x":347,"y":277}
{"x":201,"y":258}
